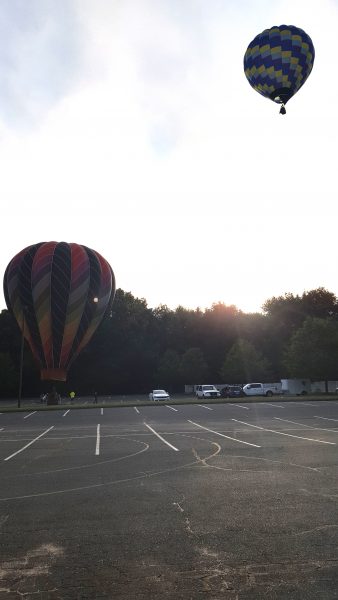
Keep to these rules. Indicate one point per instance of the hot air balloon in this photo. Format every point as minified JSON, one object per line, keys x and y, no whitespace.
{"x":278,"y":61}
{"x":58,"y":294}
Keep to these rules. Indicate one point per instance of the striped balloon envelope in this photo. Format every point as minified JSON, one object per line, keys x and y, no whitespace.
{"x":58,"y":294}
{"x":278,"y":61}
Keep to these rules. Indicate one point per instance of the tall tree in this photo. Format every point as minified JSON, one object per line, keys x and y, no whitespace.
{"x":320,"y":303}
{"x":194,"y":368}
{"x":8,"y":376}
{"x":286,"y":311}
{"x":313,"y":350}
{"x":244,"y":363}
{"x":169,"y":371}
{"x":291,"y":310}
{"x":219,"y":332}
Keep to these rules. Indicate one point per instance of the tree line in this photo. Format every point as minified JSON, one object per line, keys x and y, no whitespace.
{"x":138,"y":348}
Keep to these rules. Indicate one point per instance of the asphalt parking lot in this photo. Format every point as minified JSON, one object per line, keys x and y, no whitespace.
{"x":224,"y":501}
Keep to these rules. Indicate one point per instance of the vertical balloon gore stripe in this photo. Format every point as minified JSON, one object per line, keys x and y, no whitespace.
{"x":78,"y":294}
{"x":17,"y":291}
{"x":41,"y":293}
{"x":11,"y":290}
{"x":25,"y":292}
{"x":89,"y":309}
{"x":60,"y":284}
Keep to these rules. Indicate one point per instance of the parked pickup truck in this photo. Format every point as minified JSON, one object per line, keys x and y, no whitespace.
{"x":207,"y":391}
{"x":262,"y":389}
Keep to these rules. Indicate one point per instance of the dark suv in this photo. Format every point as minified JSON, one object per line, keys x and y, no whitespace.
{"x":232,"y":391}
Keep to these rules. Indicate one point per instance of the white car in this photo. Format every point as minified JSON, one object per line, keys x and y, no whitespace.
{"x":159,"y":395}
{"x":207,"y":391}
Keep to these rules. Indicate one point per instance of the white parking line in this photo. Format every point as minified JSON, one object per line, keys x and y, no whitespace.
{"x":270,"y":404}
{"x":172,"y":408}
{"x":287,"y":434}
{"x":326,"y":419}
{"x":66,"y":413}
{"x":30,"y":414}
{"x":161,"y":438}
{"x":202,"y":406}
{"x":101,"y":411}
{"x":225,"y":436}
{"x":1,"y":429}
{"x":137,"y":410}
{"x":307,"y":426}
{"x":240,"y":406}
{"x":29,"y":444}
{"x":308,"y":403}
{"x":97,"y":449}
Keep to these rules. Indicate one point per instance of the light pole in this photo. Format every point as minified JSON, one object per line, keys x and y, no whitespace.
{"x":21,"y":355}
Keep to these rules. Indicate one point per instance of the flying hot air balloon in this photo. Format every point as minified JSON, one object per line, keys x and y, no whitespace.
{"x":58,"y":294}
{"x":278,"y":61}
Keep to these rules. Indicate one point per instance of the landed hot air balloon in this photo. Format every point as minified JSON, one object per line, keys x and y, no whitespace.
{"x":278,"y":62}
{"x":58,"y":294}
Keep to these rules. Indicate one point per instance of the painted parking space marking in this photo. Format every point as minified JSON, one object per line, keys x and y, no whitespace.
{"x":29,"y":444}
{"x":286,"y":434}
{"x":225,"y":436}
{"x":97,"y":448}
{"x":202,"y":406}
{"x":161,"y":438}
{"x":66,"y":413}
{"x":274,"y":405}
{"x":171,"y":407}
{"x":307,"y":426}
{"x":101,"y":411}
{"x":30,"y":414}
{"x":326,"y":419}
{"x":137,"y":410}
{"x":308,"y":403}
{"x":240,"y":406}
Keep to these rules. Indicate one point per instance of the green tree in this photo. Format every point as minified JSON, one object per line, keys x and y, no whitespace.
{"x":291,"y":310}
{"x":218,"y":333}
{"x":313,"y":350}
{"x":8,"y":376}
{"x":320,"y":303}
{"x":194,"y":368}
{"x":244,"y":363}
{"x":169,"y":370}
{"x":286,"y":311}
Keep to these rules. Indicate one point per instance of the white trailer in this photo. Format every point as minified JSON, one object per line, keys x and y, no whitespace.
{"x":296,"y":387}
{"x":319,"y":387}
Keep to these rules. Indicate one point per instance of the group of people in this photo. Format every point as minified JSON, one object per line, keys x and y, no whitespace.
{"x":72,"y":396}
{"x":51,"y":397}
{"x":54,"y":398}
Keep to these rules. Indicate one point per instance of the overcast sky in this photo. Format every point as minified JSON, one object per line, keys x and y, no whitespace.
{"x":129,"y":126}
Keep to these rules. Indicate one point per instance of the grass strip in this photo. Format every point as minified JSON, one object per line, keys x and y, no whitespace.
{"x":174,"y":402}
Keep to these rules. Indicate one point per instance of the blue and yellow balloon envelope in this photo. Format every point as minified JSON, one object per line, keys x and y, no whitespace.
{"x":278,"y":61}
